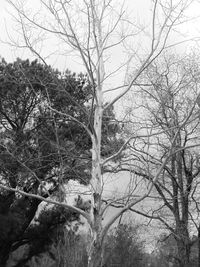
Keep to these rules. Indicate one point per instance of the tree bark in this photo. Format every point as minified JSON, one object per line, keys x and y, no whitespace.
{"x":95,"y":257}
{"x":95,"y":254}
{"x":183,"y":254}
{"x":183,"y":246}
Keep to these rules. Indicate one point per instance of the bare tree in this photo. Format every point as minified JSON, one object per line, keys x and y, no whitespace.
{"x":90,"y":29}
{"x":173,"y":87}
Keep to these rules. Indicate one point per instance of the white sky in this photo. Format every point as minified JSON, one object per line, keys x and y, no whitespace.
{"x":139,"y":8}
{"x":8,"y":27}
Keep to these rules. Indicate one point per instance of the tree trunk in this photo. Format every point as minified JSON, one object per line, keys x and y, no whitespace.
{"x":95,"y":257}
{"x":183,"y":244}
{"x":183,"y":253}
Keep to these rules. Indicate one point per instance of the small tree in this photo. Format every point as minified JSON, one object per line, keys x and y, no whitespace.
{"x":123,"y":247}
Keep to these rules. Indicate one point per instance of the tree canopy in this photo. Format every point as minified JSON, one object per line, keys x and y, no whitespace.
{"x":41,"y":150}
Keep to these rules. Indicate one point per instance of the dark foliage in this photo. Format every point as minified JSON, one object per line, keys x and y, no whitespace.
{"x":41,"y":234}
{"x":42,"y":147}
{"x":124,"y":248}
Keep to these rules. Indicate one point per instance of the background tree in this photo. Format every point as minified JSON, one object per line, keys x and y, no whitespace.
{"x":124,"y":247}
{"x":166,"y":251}
{"x":171,"y":88}
{"x":40,"y":152}
{"x":29,"y":154}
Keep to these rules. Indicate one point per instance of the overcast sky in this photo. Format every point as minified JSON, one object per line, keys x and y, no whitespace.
{"x":139,"y":8}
